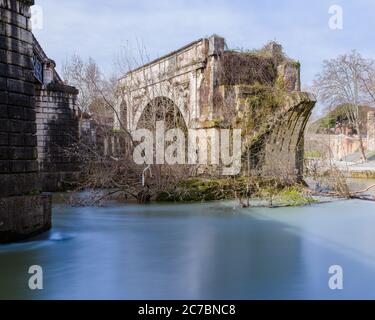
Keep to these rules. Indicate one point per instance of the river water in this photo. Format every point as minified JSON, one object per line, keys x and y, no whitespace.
{"x":197,"y":251}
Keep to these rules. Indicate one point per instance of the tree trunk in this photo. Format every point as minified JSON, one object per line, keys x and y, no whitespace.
{"x":361,"y":146}
{"x":144,"y":196}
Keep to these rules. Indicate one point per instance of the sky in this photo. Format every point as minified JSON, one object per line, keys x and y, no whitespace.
{"x":98,"y":29}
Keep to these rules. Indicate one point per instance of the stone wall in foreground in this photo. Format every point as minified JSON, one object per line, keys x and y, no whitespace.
{"x":22,"y":212}
{"x":57,"y":121}
{"x":57,"y":131}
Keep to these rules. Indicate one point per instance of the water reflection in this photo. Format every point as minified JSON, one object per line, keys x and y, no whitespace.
{"x":197,"y":251}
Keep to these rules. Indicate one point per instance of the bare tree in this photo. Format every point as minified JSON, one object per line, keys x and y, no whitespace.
{"x":76,"y":72}
{"x":368,"y":81}
{"x":340,"y":83}
{"x":118,"y":172}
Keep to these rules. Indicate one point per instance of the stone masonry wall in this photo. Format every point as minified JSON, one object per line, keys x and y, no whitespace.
{"x":57,"y":130}
{"x":18,"y":152}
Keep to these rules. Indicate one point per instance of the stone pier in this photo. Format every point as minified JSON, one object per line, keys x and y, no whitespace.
{"x":24,"y":211}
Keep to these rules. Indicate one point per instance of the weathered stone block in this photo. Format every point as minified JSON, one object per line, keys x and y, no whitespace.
{"x":15,"y":32}
{"x":20,"y":86}
{"x":29,"y":127}
{"x":15,"y":112}
{"x":30,"y":140}
{"x":30,"y":114}
{"x":3,"y":84}
{"x":16,"y":139}
{"x":4,"y":153}
{"x":11,"y":71}
{"x":4,"y":125}
{"x":4,"y":139}
{"x":24,"y":216}
{"x":3,"y":97}
{"x":15,"y":125}
{"x":17,"y":166}
{"x":31,"y":166}
{"x":22,"y":100}
{"x":4,"y":166}
{"x":3,"y":112}
{"x":9,"y":17}
{"x":22,"y":153}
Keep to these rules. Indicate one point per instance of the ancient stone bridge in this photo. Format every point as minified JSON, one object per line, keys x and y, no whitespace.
{"x":187,"y":77}
{"x":257,"y":91}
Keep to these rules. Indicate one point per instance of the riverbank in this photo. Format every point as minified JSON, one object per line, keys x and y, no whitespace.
{"x":210,"y":190}
{"x":350,"y":168}
{"x":288,"y":197}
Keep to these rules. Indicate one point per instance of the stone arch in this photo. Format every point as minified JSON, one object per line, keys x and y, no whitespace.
{"x":158,"y":109}
{"x":161,"y":91}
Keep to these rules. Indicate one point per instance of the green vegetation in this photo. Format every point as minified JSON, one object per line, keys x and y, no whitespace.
{"x":259,"y":107}
{"x":212,"y":123}
{"x":313,"y":154}
{"x":274,"y":191}
{"x":297,"y":64}
{"x":280,"y":83}
{"x":294,"y":196}
{"x":204,"y":189}
{"x":260,"y":103}
{"x":338,"y":115}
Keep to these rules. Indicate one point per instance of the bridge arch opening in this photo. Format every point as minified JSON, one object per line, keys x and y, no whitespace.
{"x":162,"y":109}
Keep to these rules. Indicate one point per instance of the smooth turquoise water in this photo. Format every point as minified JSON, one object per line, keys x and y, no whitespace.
{"x":197,"y":251}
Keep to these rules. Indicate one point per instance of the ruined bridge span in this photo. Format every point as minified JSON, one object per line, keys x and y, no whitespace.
{"x":185,"y":76}
{"x":213,"y":87}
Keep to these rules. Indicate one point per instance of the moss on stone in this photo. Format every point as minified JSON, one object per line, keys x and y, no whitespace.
{"x":205,"y":189}
{"x":212,"y":123}
{"x":280,"y":82}
{"x":259,"y":104}
{"x":297,"y":64}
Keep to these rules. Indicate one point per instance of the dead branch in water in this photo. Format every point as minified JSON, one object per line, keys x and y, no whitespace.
{"x":351,"y":195}
{"x":365,"y":190}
